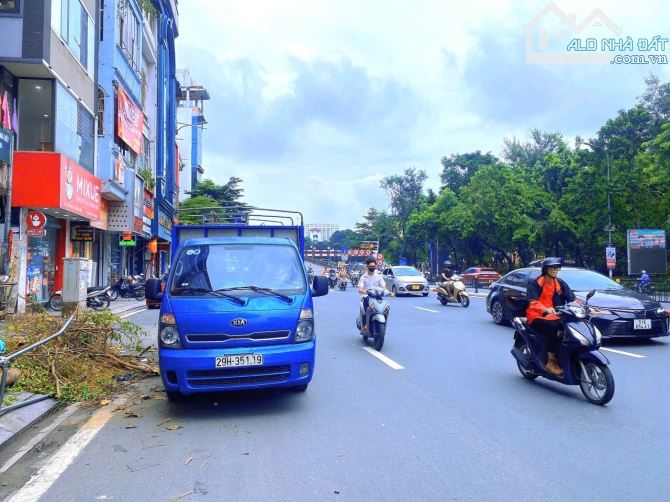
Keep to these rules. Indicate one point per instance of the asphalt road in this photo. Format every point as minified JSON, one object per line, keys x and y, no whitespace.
{"x":457,"y":422}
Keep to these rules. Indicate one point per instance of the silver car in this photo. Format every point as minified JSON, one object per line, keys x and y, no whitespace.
{"x":404,"y":280}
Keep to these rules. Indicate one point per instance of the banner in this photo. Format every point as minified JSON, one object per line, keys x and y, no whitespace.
{"x":129,"y":122}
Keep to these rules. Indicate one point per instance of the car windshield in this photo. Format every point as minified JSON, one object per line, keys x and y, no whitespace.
{"x":586,"y":280}
{"x":405,"y":271}
{"x":212,"y":267}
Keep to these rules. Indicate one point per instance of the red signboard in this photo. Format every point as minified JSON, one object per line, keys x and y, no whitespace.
{"x":148,"y":204}
{"x":51,"y":180}
{"x":129,"y":121}
{"x":35,"y":222}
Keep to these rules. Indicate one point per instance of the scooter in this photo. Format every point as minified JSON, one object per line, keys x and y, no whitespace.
{"x":376,"y":317}
{"x":96,"y":298}
{"x":342,"y":282}
{"x":578,"y":355}
{"x":332,"y":280}
{"x":126,"y":287}
{"x":458,"y":292}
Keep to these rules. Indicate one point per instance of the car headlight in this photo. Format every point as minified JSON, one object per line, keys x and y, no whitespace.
{"x":582,"y":339}
{"x":660,"y":310}
{"x":599,"y":335}
{"x":169,"y":337}
{"x":304,"y":331}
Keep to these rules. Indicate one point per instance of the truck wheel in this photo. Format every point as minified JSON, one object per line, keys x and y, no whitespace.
{"x":174,"y":395}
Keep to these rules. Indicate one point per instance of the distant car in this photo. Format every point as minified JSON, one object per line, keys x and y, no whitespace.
{"x":484,"y":275}
{"x":621,"y":312}
{"x":404,"y":280}
{"x":154,"y":304}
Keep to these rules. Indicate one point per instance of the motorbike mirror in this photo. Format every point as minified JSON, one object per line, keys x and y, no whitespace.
{"x":590,"y":295}
{"x":319,"y":286}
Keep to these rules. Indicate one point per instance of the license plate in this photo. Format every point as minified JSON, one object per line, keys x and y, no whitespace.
{"x":414,"y":287}
{"x":641,"y":323}
{"x":235,"y":360}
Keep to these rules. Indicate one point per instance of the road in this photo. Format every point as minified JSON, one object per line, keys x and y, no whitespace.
{"x":457,"y":422}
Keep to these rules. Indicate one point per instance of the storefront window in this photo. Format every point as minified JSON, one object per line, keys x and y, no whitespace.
{"x":10,"y":6}
{"x":35,"y":115}
{"x":74,"y":129}
{"x":41,"y":258}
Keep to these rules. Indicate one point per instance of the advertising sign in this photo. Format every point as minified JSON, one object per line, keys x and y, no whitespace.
{"x":80,"y":190}
{"x":610,"y":257}
{"x":646,"y":250}
{"x":129,"y":121}
{"x":35,"y":222}
{"x":81,"y":233}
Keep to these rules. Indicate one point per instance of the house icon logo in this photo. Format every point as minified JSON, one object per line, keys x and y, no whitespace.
{"x":551,"y":30}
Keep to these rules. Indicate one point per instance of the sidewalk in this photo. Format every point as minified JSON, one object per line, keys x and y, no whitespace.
{"x":14,"y":422}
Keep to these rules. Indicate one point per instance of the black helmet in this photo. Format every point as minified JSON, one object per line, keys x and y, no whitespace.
{"x":369,"y":260}
{"x":550,"y":262}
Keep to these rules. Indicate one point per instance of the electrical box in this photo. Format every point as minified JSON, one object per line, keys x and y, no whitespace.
{"x":76,"y":278}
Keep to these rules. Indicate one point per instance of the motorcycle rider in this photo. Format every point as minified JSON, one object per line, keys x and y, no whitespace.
{"x":371,"y":279}
{"x":644,"y":281}
{"x":445,"y":274}
{"x":544,"y":294}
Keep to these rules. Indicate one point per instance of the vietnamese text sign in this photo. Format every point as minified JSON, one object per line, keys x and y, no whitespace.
{"x":129,"y":121}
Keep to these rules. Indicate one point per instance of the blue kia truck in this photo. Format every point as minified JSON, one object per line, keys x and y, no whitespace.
{"x":236,"y":311}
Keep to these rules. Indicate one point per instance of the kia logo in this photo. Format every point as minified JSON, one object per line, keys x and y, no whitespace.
{"x":238,"y":322}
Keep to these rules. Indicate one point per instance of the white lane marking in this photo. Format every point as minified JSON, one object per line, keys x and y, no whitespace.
{"x":30,"y":444}
{"x":132,"y":313}
{"x":637,"y":356}
{"x":386,"y":360}
{"x":61,"y":460}
{"x":426,"y":310}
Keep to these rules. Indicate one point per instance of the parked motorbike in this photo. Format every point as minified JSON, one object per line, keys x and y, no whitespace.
{"x":342,"y":283}
{"x":375,"y":317}
{"x":583,"y":364}
{"x":458,"y":292}
{"x":96,"y":298}
{"x":127,"y":287}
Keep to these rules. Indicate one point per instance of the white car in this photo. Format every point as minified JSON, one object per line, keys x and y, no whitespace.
{"x":404,"y":280}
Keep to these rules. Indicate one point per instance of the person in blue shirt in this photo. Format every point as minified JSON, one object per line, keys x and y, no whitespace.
{"x":644,"y":280}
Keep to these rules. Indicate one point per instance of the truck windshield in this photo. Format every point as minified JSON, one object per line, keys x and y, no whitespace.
{"x":212,"y":267}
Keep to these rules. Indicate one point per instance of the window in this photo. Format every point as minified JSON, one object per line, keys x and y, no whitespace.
{"x":74,"y":129}
{"x":72,"y":23}
{"x":35,"y":115}
{"x":129,"y":33}
{"x":517,"y":278}
{"x":10,"y":6}
{"x":143,"y":89}
{"x":101,"y":111}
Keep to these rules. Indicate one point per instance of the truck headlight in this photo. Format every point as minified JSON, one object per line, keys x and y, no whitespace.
{"x":304,"y":331}
{"x":169,"y":338}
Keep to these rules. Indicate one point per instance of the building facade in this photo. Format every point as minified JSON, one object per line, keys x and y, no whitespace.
{"x":190,"y":127}
{"x":87,"y":92}
{"x":320,"y":232}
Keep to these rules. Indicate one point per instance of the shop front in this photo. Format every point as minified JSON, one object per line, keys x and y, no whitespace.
{"x":59,"y":200}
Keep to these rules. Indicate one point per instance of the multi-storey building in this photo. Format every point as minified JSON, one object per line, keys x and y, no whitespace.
{"x":320,"y":232}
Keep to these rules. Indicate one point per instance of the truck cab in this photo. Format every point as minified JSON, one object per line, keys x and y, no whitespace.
{"x":236,"y":311}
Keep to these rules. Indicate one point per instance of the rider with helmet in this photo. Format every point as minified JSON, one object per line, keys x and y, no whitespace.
{"x":544,"y":294}
{"x":445,"y":274}
{"x":644,"y":280}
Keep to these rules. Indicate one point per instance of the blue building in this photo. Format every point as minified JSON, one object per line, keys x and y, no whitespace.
{"x":136,"y":131}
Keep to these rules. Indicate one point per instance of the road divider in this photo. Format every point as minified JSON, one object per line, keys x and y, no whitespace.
{"x":623,"y":353}
{"x":386,"y":360}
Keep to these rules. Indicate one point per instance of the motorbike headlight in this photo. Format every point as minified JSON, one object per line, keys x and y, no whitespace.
{"x":579,"y":312}
{"x":599,"y":335}
{"x":169,"y":338}
{"x":304,"y":332}
{"x":578,"y":336}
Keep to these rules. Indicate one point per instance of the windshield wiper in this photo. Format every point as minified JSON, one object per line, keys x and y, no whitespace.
{"x":220,"y":293}
{"x":258,"y":289}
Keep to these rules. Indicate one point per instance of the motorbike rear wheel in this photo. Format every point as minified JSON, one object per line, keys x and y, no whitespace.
{"x":139,"y":294}
{"x":525,"y":350}
{"x":113,"y":294}
{"x":377,"y":331}
{"x":99,"y":302}
{"x":600,"y":389}
{"x":464,"y":300}
{"x":56,"y":302}
{"x":442,"y":299}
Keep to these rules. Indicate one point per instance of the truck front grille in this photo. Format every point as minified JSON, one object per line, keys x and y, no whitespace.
{"x":223,"y":377}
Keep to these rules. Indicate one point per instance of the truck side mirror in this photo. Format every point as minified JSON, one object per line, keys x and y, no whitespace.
{"x":153,"y":289}
{"x":320,"y":286}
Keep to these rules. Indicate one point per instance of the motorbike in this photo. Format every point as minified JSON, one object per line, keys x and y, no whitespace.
{"x":577,"y":353}
{"x":342,"y":283}
{"x":96,"y":298}
{"x":355,"y":277}
{"x":376,"y":317}
{"x":645,"y":287}
{"x":127,"y":288}
{"x":332,"y":280}
{"x":458,"y":292}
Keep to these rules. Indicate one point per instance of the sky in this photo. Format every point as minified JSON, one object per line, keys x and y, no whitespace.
{"x":313,"y":102}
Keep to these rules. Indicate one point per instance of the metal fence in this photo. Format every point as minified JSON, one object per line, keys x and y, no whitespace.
{"x":6,"y":360}
{"x":658,"y":290}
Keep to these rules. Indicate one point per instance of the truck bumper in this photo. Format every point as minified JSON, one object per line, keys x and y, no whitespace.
{"x":190,"y":371}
